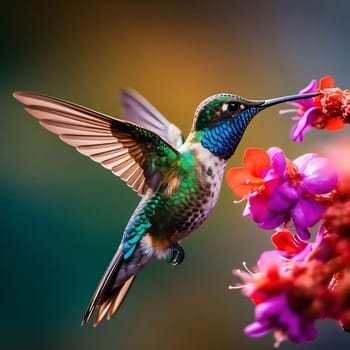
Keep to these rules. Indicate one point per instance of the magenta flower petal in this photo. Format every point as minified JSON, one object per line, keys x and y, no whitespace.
{"x":276,"y":314}
{"x":302,"y":232}
{"x":278,"y":160}
{"x":278,"y":202}
{"x":273,"y":221}
{"x":300,"y":329}
{"x":303,"y":162}
{"x":262,"y":215}
{"x":290,"y":192}
{"x":312,"y":87}
{"x":307,"y":212}
{"x":268,"y":258}
{"x":319,"y":175}
{"x":257,"y":329}
{"x":307,"y":102}
{"x":258,"y":207}
{"x":304,"y":124}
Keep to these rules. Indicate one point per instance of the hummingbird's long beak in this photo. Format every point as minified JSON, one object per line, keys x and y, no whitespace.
{"x":274,"y":101}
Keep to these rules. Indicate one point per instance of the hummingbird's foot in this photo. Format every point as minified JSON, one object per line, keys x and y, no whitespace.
{"x":177,"y":255}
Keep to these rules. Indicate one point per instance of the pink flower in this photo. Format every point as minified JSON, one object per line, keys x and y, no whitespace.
{"x":271,"y":288}
{"x":275,"y":315}
{"x":330,"y":111}
{"x":303,"y":280}
{"x":279,"y":190}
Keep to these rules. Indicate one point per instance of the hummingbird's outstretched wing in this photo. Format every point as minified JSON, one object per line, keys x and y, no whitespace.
{"x":138,"y":156}
{"x":137,"y":109}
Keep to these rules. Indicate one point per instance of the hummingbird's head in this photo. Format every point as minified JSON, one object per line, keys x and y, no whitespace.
{"x":220,"y":120}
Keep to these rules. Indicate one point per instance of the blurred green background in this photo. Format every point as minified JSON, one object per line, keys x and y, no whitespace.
{"x":62,"y":215}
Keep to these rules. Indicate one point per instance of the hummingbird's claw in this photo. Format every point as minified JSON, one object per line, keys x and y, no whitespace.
{"x":178,"y":254}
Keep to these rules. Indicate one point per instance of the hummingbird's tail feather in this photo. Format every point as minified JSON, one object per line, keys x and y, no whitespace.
{"x":115,"y":284}
{"x":111,"y":305}
{"x":104,"y":285}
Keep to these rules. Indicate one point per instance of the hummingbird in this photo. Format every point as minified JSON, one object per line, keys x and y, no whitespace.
{"x":177,"y":179}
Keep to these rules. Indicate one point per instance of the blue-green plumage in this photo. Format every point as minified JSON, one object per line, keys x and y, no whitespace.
{"x":165,"y":213}
{"x":179,"y":182}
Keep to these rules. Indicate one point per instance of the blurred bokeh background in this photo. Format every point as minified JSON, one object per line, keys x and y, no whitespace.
{"x":62,"y":215}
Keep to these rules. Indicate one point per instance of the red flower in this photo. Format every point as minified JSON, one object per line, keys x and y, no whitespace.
{"x":249,"y":178}
{"x":332,"y":104}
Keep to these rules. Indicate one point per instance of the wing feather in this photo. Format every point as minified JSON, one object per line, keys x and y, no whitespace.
{"x":137,"y":109}
{"x":87,"y":140}
{"x":137,"y":155}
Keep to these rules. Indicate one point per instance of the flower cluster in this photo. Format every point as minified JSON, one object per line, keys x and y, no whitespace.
{"x":302,"y":280}
{"x":307,"y":276}
{"x":279,"y":190}
{"x":330,"y":111}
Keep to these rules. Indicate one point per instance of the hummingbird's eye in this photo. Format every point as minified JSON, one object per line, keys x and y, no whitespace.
{"x":232,"y":107}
